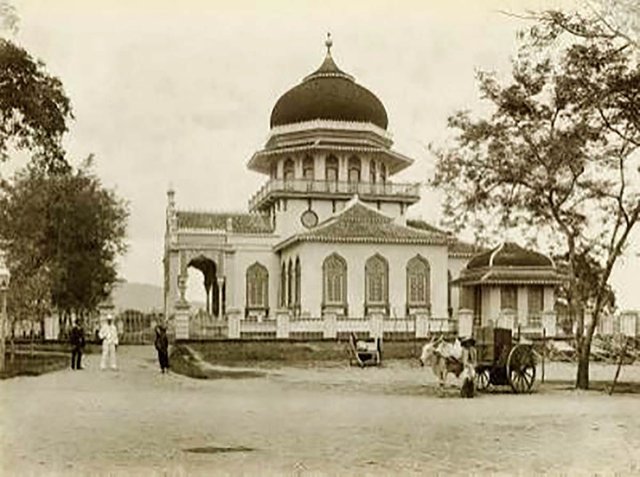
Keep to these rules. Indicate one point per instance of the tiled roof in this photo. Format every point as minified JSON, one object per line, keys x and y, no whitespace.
{"x":240,"y":223}
{"x":511,"y":276}
{"x":358,"y":223}
{"x":423,"y":225}
{"x":512,"y":255}
{"x":510,"y":264}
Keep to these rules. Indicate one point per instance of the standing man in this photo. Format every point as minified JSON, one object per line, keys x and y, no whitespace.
{"x":77,"y":344}
{"x":162,"y":345}
{"x":469,"y":361}
{"x":109,"y":336}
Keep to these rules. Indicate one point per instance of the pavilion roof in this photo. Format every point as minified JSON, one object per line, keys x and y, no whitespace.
{"x":511,"y":276}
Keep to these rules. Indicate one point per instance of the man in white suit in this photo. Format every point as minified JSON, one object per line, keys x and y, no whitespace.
{"x":109,"y":336}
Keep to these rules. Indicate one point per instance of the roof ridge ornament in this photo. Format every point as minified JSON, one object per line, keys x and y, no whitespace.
{"x":328,"y":68}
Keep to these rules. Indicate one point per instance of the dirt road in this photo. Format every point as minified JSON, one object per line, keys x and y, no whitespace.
{"x":293,"y":421}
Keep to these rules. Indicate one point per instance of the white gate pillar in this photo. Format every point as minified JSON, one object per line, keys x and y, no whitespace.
{"x":182,"y":320}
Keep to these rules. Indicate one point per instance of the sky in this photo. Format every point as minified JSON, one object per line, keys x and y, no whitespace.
{"x":180,"y":93}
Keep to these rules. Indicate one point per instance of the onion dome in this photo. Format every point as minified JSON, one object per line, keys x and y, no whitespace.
{"x":330,"y":94}
{"x":510,"y":254}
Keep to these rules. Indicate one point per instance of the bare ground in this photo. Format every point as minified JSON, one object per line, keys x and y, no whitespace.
{"x":309,"y":421}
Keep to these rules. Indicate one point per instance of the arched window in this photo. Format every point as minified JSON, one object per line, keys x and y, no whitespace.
{"x":331,"y":169}
{"x":307,"y":168}
{"x":289,"y":169}
{"x":298,"y":282}
{"x":257,"y":286}
{"x":418,"y":282}
{"x":283,"y":286}
{"x":290,"y":284}
{"x":376,"y":272}
{"x":354,"y":169}
{"x":372,"y":172}
{"x":334,"y":272}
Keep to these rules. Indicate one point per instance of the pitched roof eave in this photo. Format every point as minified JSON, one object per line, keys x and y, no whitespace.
{"x":357,"y":240}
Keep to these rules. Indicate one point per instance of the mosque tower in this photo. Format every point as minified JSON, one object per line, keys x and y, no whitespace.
{"x":328,"y":142}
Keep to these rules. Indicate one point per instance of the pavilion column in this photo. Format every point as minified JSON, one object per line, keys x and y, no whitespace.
{"x":220,"y":285}
{"x":182,"y":287}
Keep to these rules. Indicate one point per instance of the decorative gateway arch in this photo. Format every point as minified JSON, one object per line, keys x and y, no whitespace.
{"x":204,"y":245}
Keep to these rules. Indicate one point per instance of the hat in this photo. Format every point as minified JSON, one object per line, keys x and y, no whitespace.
{"x":468,"y":340}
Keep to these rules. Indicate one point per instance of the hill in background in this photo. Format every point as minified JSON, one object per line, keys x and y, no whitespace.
{"x":142,"y":296}
{"x":137,"y":296}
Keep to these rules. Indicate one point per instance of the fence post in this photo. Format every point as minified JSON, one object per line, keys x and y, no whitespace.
{"x":329,"y":326}
{"x":282,"y":324}
{"x":544,"y":349}
{"x":422,"y":325}
{"x":376,"y":325}
{"x":233,"y":323}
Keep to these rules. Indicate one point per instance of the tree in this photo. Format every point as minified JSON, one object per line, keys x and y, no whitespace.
{"x":619,"y":17}
{"x":557,"y":153}
{"x":34,"y":109}
{"x":588,"y":274}
{"x":65,"y":231}
{"x":8,"y":17}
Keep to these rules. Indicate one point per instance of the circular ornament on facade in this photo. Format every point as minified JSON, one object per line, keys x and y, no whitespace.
{"x":309,"y":219}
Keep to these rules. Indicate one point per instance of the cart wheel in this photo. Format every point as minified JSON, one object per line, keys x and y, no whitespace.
{"x":483,"y":379}
{"x":521,"y":368}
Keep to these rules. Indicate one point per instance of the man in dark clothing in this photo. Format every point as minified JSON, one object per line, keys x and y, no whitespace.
{"x":77,"y":344}
{"x":469,"y":361}
{"x":162,"y":345}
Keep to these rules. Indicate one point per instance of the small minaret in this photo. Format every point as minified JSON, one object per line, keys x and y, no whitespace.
{"x":172,"y":221}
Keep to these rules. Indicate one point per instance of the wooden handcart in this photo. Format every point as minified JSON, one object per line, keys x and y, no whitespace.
{"x":367,"y":352}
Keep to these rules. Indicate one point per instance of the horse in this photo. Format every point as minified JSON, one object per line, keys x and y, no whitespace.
{"x":439,"y":356}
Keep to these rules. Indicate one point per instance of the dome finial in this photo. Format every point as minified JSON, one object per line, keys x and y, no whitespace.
{"x":328,"y":43}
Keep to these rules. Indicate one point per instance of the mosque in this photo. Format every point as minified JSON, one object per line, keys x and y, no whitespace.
{"x":327,"y":246}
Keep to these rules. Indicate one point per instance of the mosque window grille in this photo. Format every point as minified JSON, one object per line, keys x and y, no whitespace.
{"x":257,"y":278}
{"x":334,"y":270}
{"x":418,"y":282}
{"x":376,"y":281}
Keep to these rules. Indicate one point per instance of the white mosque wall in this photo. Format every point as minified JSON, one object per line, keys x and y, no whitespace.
{"x":312,"y":256}
{"x":246,"y":255}
{"x":290,"y":210}
{"x":288,"y":217}
{"x":455,"y":265}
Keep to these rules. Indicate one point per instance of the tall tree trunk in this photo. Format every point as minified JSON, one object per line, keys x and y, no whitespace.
{"x":582,"y":379}
{"x":12,"y":342}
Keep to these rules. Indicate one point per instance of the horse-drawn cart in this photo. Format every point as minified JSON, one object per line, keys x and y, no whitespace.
{"x":500,"y":361}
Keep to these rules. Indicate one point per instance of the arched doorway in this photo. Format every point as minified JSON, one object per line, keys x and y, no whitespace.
{"x":208,"y":268}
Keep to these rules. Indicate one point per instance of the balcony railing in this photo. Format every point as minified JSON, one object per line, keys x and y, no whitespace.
{"x":406,"y":192}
